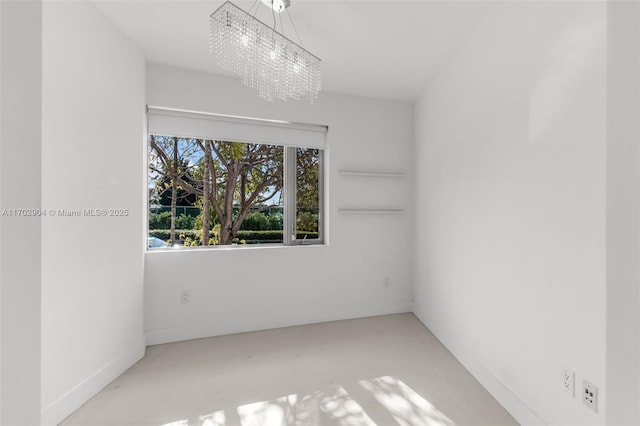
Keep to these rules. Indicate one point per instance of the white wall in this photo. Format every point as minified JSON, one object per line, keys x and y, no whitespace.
{"x":92,"y":158}
{"x":511,"y":174}
{"x":1,"y":61}
{"x":20,"y":141}
{"x":623,"y":213}
{"x":259,"y":288}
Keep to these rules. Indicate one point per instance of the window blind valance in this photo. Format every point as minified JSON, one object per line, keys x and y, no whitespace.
{"x":193,"y":124}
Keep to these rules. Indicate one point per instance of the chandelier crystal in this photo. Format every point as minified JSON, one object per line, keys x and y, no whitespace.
{"x":266,"y":60}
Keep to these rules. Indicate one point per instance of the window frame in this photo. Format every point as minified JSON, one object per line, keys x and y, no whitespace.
{"x":290,"y":199}
{"x":289,"y":187}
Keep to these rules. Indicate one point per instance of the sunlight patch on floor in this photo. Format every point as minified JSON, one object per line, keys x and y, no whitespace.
{"x":332,"y":406}
{"x":280,"y":411}
{"x":214,"y":419}
{"x":405,"y":404}
{"x":344,"y":410}
{"x":178,"y":423}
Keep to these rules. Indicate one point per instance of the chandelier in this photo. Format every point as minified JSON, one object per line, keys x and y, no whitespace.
{"x":266,"y":60}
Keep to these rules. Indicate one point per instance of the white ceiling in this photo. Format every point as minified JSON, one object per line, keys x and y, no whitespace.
{"x":382,"y":49}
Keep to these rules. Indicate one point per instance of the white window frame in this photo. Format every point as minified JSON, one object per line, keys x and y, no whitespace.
{"x":289,"y":135}
{"x":290,"y":199}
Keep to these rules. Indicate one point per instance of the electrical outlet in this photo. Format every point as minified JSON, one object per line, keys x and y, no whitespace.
{"x":385,"y":282}
{"x":185,"y":296}
{"x":568,"y":381}
{"x":590,"y":395}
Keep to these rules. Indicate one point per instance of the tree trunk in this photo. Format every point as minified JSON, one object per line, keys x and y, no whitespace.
{"x":226,"y":222}
{"x":206,"y":186}
{"x":225,"y":236}
{"x":174,"y":192}
{"x":226,"y":229}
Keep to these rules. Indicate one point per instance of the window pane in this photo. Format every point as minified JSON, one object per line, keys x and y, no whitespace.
{"x":308,"y":193}
{"x":229,"y":192}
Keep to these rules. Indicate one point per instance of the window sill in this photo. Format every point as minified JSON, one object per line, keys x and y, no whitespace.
{"x":235,"y":247}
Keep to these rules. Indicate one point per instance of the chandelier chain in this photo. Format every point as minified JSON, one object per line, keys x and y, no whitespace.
{"x":256,"y":5}
{"x":294,"y":28}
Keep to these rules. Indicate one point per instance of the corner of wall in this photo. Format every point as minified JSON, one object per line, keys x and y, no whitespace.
{"x":66,"y":404}
{"x":505,"y":396}
{"x":21,"y":134}
{"x":623,"y":207}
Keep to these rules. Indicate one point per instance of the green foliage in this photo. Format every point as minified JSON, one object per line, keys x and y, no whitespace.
{"x":237,"y":150}
{"x":213,"y":217}
{"x":308,"y":173}
{"x":185,"y":222}
{"x":276,"y":221}
{"x":163,"y":221}
{"x":255,"y":222}
{"x":160,"y":220}
{"x":193,"y":237}
{"x":258,"y":221}
{"x":307,"y":222}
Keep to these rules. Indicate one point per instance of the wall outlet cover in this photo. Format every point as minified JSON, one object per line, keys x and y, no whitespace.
{"x":568,"y":381}
{"x":590,"y":395}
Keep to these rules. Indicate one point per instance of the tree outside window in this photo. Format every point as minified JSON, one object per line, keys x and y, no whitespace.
{"x":212,"y":192}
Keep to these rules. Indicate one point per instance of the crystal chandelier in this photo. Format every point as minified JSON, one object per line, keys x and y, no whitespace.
{"x":266,"y":60}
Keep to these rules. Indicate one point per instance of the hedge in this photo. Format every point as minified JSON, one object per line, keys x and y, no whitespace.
{"x":163,"y":221}
{"x":249,"y":237}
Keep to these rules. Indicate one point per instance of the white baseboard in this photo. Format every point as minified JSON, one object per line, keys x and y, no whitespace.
{"x":58,"y":410}
{"x":509,"y":400}
{"x":199,"y":331}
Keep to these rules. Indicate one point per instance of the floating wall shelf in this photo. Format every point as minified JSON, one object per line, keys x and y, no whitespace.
{"x":370,"y":211}
{"x":365,"y":173}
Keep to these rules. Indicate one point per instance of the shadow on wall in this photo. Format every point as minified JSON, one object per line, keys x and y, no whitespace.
{"x":331,"y":406}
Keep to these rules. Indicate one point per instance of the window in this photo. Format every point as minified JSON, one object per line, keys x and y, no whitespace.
{"x":209,"y":191}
